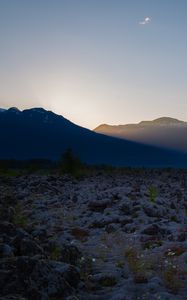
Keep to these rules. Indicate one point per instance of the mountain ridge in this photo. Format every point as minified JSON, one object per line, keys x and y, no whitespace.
{"x":160,"y":120}
{"x":163,"y":132}
{"x":37,"y":133}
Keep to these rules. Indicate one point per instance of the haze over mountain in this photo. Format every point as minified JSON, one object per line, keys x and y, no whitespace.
{"x":165,"y":132}
{"x":37,"y":133}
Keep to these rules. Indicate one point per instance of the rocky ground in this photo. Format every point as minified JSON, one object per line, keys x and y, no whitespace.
{"x":118,"y":236}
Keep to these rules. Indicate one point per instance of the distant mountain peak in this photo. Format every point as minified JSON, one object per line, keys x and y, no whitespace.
{"x":162,"y":121}
{"x":34,"y":109}
{"x":161,"y":132}
{"x":166,"y":119}
{"x":102,"y":126}
{"x":14,"y":110}
{"x":37,"y":109}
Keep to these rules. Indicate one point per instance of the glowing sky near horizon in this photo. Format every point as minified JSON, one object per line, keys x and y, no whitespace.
{"x":95,"y":61}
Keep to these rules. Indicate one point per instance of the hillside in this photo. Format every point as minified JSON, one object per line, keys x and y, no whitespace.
{"x":37,"y":133}
{"x":164,"y":132}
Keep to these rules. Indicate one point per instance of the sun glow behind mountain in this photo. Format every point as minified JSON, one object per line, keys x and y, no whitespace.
{"x":95,"y":62}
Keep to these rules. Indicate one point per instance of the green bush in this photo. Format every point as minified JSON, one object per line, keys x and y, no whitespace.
{"x":153,"y":193}
{"x":71,"y":164}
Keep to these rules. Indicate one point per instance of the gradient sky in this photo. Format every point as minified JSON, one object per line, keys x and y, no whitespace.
{"x":95,"y":61}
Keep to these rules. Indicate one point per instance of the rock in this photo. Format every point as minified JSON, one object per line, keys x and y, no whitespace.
{"x":111,"y":228}
{"x":13,"y":297}
{"x":172,"y":205}
{"x":26,"y":247}
{"x":154,"y":229}
{"x":103,"y":221}
{"x":125,"y":220}
{"x":7,"y":213}
{"x":182,"y":237}
{"x":139,"y":278}
{"x":6,"y":251}
{"x":40,"y":233}
{"x":176,"y":250}
{"x":155,"y":284}
{"x":70,"y":254}
{"x":129,"y":228}
{"x":150,"y":242}
{"x":105,"y":280}
{"x":69,"y":273}
{"x":126,"y":209}
{"x":153,"y":211}
{"x":121,"y":233}
{"x":71,"y":298}
{"x":99,"y":206}
{"x":7,"y":228}
{"x":21,"y":233}
{"x":168,"y":296}
{"x":66,"y":253}
{"x":34,"y":278}
{"x":80,"y":233}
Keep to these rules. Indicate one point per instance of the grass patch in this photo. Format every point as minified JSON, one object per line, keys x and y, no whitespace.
{"x":19,"y":218}
{"x":153,"y":193}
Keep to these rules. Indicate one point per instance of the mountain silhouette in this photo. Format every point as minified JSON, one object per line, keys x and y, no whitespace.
{"x":163,"y":132}
{"x":37,"y":133}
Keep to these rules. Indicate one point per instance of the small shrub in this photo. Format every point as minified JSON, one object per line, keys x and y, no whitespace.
{"x":171,"y":279}
{"x":174,"y":219}
{"x":175,"y":251}
{"x":70,"y":164}
{"x":85,"y":266}
{"x":153,"y":193}
{"x":141,"y":265}
{"x":135,"y":264}
{"x":152,"y":243}
{"x":55,"y":253}
{"x":120,"y":264}
{"x":108,"y":281}
{"x":19,"y":218}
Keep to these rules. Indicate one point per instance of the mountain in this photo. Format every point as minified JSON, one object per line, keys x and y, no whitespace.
{"x":163,"y":132}
{"x":2,"y":109}
{"x":37,"y":133}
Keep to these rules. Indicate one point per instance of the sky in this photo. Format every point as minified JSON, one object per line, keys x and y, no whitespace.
{"x":95,"y":61}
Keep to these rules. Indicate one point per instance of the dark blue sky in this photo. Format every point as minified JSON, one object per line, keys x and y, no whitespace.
{"x":95,"y":61}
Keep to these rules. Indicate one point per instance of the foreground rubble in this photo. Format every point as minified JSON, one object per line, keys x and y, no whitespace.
{"x":119,"y":236}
